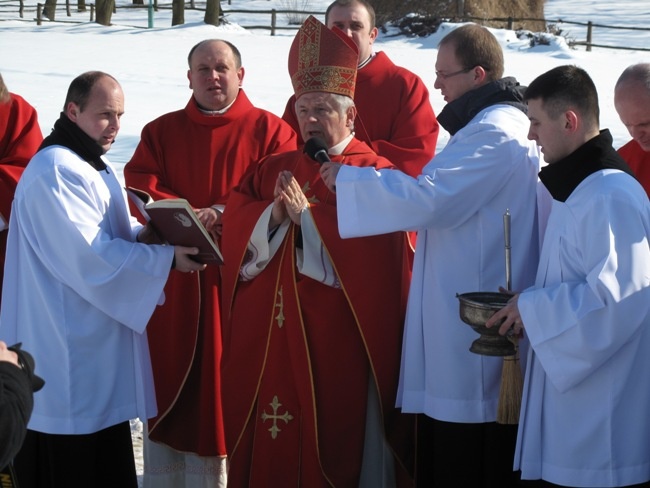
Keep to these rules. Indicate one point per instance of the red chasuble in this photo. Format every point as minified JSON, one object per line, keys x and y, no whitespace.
{"x":639,"y":162}
{"x":298,"y":354}
{"x":199,"y":157}
{"x":395,"y":116}
{"x":20,"y":137}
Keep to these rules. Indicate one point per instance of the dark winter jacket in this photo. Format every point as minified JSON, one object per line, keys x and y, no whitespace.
{"x":17,"y":385}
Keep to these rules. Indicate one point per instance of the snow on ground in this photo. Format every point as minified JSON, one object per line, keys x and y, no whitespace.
{"x":38,"y":62}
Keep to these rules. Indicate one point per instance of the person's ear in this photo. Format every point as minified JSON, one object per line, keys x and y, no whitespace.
{"x":374,"y":32}
{"x":72,"y":111}
{"x":351,"y":114}
{"x":189,"y":77}
{"x":571,"y":120}
{"x":479,"y":75}
{"x":240,"y":75}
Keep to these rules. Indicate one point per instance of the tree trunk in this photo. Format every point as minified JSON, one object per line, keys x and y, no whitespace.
{"x":104,"y":10}
{"x":212,"y":8}
{"x":138,"y":2}
{"x":81,"y":5}
{"x":49,"y":9}
{"x":178,"y":12}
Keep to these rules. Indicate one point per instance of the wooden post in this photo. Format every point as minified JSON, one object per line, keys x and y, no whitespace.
{"x":510,"y":21}
{"x":92,"y":12}
{"x":67,"y":8}
{"x":21,"y":8}
{"x":273,"y":19}
{"x":590,"y":27}
{"x":39,"y":14}
{"x":460,"y":8}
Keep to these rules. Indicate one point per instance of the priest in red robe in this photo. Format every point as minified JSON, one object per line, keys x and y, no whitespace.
{"x":198,"y":153}
{"x":632,"y":101}
{"x":313,"y":329}
{"x":394,"y":114}
{"x":20,"y":138}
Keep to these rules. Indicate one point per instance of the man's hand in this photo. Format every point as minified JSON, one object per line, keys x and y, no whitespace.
{"x":278,"y":212}
{"x":7,"y":355}
{"x":511,"y":315}
{"x":148,"y":235}
{"x":329,"y":172}
{"x":294,"y":199}
{"x":184,"y":263}
{"x":211,"y":219}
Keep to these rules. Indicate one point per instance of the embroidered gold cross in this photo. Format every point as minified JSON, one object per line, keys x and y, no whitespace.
{"x":305,"y":189}
{"x":279,"y":318}
{"x":286,"y":416}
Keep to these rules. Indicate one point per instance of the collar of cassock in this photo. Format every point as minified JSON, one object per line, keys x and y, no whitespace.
{"x":564,"y":176}
{"x":458,"y":113}
{"x":68,"y":134}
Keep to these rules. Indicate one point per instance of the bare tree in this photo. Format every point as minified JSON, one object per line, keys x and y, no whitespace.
{"x":104,"y":11}
{"x":178,"y":12}
{"x":81,"y":5}
{"x":212,"y":12}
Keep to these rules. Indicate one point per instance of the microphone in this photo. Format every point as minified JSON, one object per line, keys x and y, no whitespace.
{"x":316,"y":148}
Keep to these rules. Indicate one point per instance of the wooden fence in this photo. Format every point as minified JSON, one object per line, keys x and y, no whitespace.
{"x":272,"y":14}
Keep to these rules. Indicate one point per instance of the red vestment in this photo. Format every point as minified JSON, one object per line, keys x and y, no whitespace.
{"x":198,"y":157}
{"x":394,"y":115}
{"x":20,"y":138}
{"x":639,"y":162}
{"x":298,"y":353}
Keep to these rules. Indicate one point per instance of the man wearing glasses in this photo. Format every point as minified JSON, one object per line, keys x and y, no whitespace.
{"x":457,"y":206}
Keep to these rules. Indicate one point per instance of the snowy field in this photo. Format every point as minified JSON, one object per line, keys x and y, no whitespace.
{"x":38,"y":62}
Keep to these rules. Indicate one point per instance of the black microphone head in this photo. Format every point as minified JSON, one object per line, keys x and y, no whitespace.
{"x":316,"y":148}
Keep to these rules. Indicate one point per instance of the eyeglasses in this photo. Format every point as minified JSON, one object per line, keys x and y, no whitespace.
{"x":445,"y":76}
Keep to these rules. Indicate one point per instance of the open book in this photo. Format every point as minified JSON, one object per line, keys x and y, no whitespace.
{"x":176,"y":222}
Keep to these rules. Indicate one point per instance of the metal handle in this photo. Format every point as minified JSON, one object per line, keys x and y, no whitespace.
{"x":506,"y":238}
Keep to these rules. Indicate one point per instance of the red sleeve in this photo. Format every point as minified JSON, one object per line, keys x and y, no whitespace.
{"x":20,"y":138}
{"x":639,"y":162}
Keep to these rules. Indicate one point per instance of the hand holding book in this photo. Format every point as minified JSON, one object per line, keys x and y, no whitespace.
{"x":175,"y":221}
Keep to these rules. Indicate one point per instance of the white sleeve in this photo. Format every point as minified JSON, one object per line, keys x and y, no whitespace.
{"x":263,"y":245}
{"x":475,"y":166}
{"x":602,"y":302}
{"x":313,"y":260}
{"x":82,"y":234}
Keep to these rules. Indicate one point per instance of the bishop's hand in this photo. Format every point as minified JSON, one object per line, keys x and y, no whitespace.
{"x":329,"y":172}
{"x":295,"y":201}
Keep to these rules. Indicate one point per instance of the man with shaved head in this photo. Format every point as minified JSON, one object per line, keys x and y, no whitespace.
{"x":197,"y":153}
{"x":80,"y":285}
{"x":632,"y":101}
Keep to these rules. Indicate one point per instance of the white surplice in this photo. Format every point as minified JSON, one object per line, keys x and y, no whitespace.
{"x":585,"y":417}
{"x":457,"y":207}
{"x":78,"y":293}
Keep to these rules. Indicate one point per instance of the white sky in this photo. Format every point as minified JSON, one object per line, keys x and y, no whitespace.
{"x":39,"y":62}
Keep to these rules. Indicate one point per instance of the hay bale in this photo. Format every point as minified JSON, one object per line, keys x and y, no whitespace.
{"x":464,"y":10}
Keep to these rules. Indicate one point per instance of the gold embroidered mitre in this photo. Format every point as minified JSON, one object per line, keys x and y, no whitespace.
{"x":322,"y":60}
